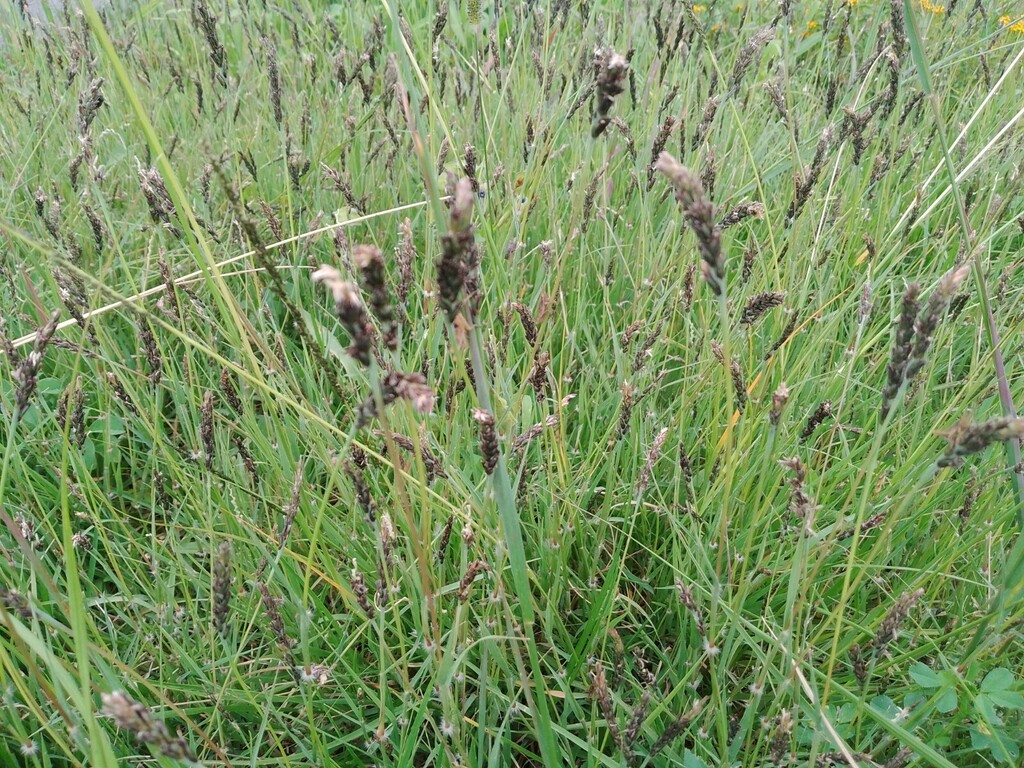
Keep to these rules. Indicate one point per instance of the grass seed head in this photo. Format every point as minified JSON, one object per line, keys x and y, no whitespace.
{"x":965,"y":438}
{"x":539,"y":375}
{"x":89,"y":103}
{"x":929,"y":317}
{"x":274,"y":76}
{"x":779,"y":399}
{"x":660,"y":140}
{"x":610,"y":70}
{"x":474,"y":569}
{"x":779,"y":751}
{"x":368,"y":259}
{"x":222,"y":587}
{"x":822,"y":412}
{"x":748,"y":54}
{"x":888,"y":630}
{"x":599,"y":693}
{"x":677,"y":727}
{"x":489,"y":447}
{"x":229,"y":391}
{"x":742,"y":212}
{"x":206,"y":429}
{"x":459,"y":255}
{"x":350,"y":310}
{"x":759,"y":304}
{"x":411,"y":387}
{"x":130,"y":715}
{"x":361,"y":592}
{"x":405,"y":257}
{"x":469,"y":162}
{"x":896,"y":370}
{"x":636,"y":722}
{"x":699,"y":212}
{"x":25,"y":374}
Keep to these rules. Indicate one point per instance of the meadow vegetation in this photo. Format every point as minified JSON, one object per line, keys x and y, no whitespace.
{"x":569,"y":382}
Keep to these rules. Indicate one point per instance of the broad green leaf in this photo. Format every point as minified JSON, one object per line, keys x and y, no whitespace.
{"x":1007,"y":699}
{"x":996,"y":742}
{"x":885,"y":706}
{"x":999,"y":679}
{"x":983,"y":704}
{"x":925,"y":676}
{"x":946,"y":702}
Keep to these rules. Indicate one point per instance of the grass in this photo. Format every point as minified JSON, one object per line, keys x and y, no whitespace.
{"x":700,"y":541}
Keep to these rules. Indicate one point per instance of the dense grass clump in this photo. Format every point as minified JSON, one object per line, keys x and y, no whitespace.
{"x":518,"y":383}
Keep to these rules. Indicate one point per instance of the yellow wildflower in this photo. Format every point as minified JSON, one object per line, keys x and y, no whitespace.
{"x":699,"y":8}
{"x":927,"y":5}
{"x":1018,"y":26}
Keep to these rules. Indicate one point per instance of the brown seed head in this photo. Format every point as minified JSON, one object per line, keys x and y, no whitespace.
{"x":779,"y":399}
{"x":965,"y":438}
{"x":699,"y":213}
{"x":488,"y":439}
{"x":472,"y":571}
{"x":139,"y":719}
{"x":222,"y":587}
{"x":610,"y":75}
{"x":759,"y":304}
